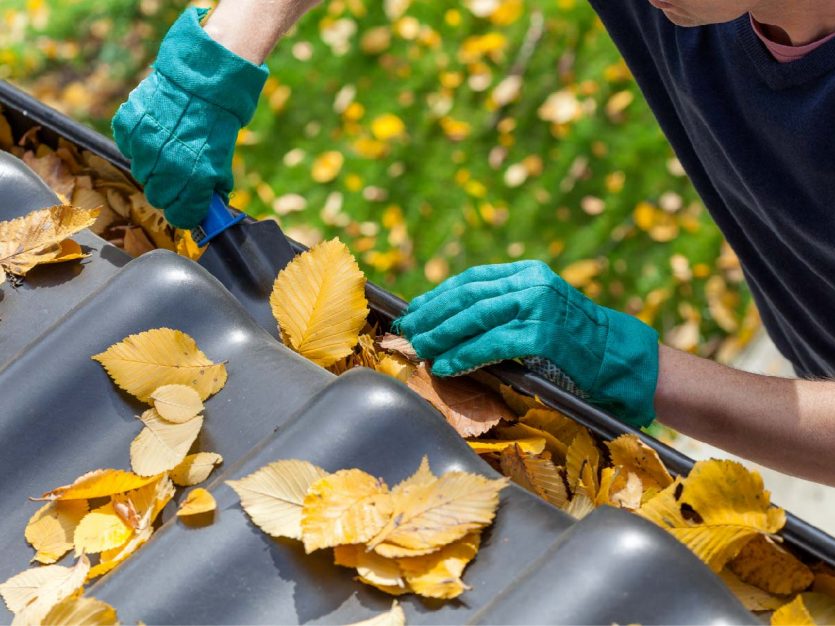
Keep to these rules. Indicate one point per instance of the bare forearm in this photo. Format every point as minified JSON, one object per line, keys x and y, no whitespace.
{"x":785,"y":424}
{"x":251,"y":28}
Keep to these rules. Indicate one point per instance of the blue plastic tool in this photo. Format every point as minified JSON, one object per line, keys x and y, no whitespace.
{"x":218,"y":219}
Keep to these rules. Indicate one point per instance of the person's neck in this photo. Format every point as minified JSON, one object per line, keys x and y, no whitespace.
{"x":796,"y":22}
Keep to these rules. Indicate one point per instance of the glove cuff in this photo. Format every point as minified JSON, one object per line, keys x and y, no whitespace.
{"x":629,"y":372}
{"x":199,"y":65}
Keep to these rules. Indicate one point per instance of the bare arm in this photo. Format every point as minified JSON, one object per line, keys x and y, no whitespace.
{"x":251,"y":28}
{"x":785,"y":424}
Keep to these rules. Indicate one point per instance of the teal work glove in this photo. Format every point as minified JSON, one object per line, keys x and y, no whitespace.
{"x":495,"y":312}
{"x":179,"y":126}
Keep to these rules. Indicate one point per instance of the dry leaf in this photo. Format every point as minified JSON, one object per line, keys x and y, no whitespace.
{"x":142,"y":363}
{"x":375,"y":570}
{"x":519,"y":402}
{"x":162,"y":445}
{"x":177,"y":403}
{"x":468,"y":407}
{"x":97,"y":484}
{"x":438,"y":575}
{"x":581,"y":453}
{"x":392,"y":617}
{"x":101,"y":529}
{"x":319,"y":302}
{"x":537,"y":475}
{"x":396,"y":367}
{"x":429,"y":515}
{"x":556,"y":448}
{"x":136,"y":242}
{"x":81,"y":612}
{"x":33,"y":592}
{"x":807,"y":608}
{"x":197,"y":501}
{"x":580,"y":506}
{"x":725,"y":505}
{"x":766,"y":565}
{"x":273,"y":496}
{"x":195,"y":468}
{"x":630,"y":494}
{"x":637,"y":457}
{"x":50,"y":530}
{"x":68,"y":250}
{"x":187,"y":247}
{"x":751,"y":597}
{"x":555,"y":423}
{"x":36,"y":237}
{"x":346,"y":507}
{"x":401,"y":345}
{"x":529,"y":445}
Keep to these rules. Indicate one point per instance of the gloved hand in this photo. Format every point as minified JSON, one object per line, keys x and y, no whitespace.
{"x":180,"y":124}
{"x":495,"y":312}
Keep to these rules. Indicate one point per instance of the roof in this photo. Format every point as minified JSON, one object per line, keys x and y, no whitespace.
{"x":62,"y":416}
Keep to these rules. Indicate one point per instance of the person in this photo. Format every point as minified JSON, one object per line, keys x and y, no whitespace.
{"x":744,"y":91}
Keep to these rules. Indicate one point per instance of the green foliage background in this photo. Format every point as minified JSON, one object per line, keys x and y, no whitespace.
{"x":430,"y":205}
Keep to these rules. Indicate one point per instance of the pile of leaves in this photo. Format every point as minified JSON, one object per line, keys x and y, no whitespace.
{"x":415,"y":538}
{"x":110,"y":513}
{"x":721,"y":511}
{"x":90,"y":183}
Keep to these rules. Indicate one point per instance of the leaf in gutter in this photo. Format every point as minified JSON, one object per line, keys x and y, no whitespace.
{"x":36,"y":237}
{"x":142,"y":363}
{"x":400,"y":345}
{"x":50,"y":530}
{"x":766,"y":565}
{"x":751,"y":597}
{"x":537,"y":475}
{"x":812,"y":609}
{"x":637,"y":457}
{"x":319,"y":302}
{"x":470,"y":408}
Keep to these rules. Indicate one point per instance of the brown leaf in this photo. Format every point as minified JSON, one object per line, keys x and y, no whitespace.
{"x":137,"y":242}
{"x":637,"y":457}
{"x":401,"y":345}
{"x":766,"y":565}
{"x":537,"y":475}
{"x":467,"y":406}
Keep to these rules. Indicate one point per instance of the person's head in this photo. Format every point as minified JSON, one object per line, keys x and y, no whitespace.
{"x":703,"y":12}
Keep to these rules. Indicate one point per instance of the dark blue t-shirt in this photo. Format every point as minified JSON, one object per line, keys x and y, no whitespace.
{"x":756,"y":138}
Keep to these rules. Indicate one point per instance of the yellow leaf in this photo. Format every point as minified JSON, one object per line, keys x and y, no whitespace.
{"x":50,"y":530}
{"x":438,"y":575}
{"x":187,"y":247}
{"x":36,"y":237}
{"x":33,"y":592}
{"x":97,"y":484}
{"x":68,"y":250}
{"x":751,"y":597}
{"x":177,"y":403}
{"x":273,"y":495}
{"x":395,"y":366}
{"x":101,"y":529}
{"x":807,"y":608}
{"x":555,"y":423}
{"x":197,"y":501}
{"x":392,"y":617}
{"x":327,"y":166}
{"x":530,"y":445}
{"x":373,"y":569}
{"x":470,"y":408}
{"x":161,"y":445}
{"x":580,"y":506}
{"x":638,"y":458}
{"x":556,"y":448}
{"x":81,"y":612}
{"x":766,"y":565}
{"x":629,"y":495}
{"x":148,"y":502}
{"x":518,"y":402}
{"x":319,"y":302}
{"x":437,"y":513}
{"x":537,"y":475}
{"x":581,"y":452}
{"x":346,"y":507}
{"x":195,"y":468}
{"x":142,"y":363}
{"x":726,"y":507}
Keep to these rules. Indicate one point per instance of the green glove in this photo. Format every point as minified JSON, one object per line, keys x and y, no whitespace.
{"x":495,"y":312}
{"x":180,"y":124}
